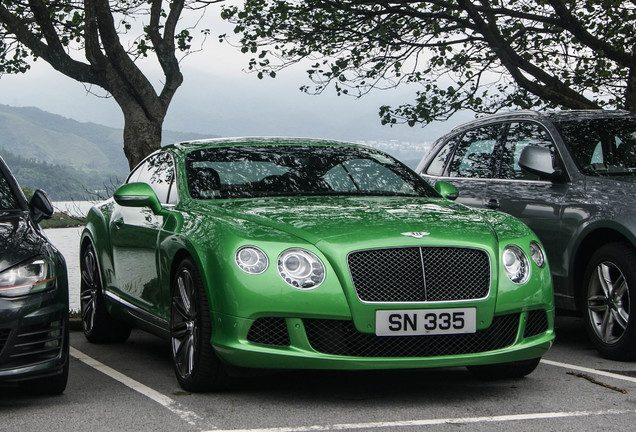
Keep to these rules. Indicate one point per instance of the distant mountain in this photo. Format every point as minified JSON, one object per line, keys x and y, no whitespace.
{"x":65,"y":157}
{"x":36,"y":134}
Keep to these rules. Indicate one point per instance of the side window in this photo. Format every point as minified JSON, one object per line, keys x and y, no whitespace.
{"x":8,"y":200}
{"x":474,"y":154}
{"x":436,"y":168}
{"x":519,"y":136}
{"x":158,"y":172}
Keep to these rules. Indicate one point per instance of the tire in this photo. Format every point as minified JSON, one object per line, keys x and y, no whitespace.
{"x":511,"y":370}
{"x":98,"y":325}
{"x":195,"y":363}
{"x":609,"y":284}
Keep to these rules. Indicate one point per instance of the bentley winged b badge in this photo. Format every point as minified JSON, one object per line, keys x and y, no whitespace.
{"x":417,"y":235}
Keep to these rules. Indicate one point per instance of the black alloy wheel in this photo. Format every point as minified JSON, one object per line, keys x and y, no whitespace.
{"x":98,"y":325}
{"x":609,"y":283}
{"x":195,"y":363}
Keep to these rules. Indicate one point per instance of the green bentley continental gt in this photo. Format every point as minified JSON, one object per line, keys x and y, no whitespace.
{"x":310,"y":254}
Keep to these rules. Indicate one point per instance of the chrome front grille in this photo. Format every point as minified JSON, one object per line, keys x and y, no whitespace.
{"x":420,"y":274}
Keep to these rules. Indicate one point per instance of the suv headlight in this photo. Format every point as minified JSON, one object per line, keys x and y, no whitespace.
{"x":301,"y":268}
{"x":516,"y":264}
{"x":27,"y":278}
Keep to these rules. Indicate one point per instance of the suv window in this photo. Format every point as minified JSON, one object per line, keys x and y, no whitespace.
{"x":474,"y":154}
{"x":158,"y":172}
{"x":520,"y":135}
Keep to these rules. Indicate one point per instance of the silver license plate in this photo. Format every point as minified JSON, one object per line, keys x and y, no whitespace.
{"x":425,"y":322}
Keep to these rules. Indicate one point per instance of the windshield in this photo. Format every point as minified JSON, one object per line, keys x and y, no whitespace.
{"x":254,"y":171}
{"x":8,"y":200}
{"x":604,"y":146}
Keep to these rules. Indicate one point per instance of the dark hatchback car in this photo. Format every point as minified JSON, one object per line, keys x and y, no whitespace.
{"x":571,"y":177}
{"x":34,"y":348}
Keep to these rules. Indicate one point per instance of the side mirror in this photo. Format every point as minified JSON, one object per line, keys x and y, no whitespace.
{"x":137,"y":195}
{"x":446,"y":190}
{"x":40,"y":206}
{"x":538,"y":161}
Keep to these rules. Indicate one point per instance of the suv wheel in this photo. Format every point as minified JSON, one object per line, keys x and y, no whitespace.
{"x":610,"y":280}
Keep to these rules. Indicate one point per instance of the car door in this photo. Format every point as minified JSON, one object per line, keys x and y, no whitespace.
{"x":134,"y":235}
{"x":540,"y":203}
{"x":467,"y":160}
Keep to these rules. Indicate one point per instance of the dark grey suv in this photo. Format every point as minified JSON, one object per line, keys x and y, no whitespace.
{"x":571,"y":176}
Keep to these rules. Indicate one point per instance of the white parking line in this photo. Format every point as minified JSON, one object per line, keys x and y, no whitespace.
{"x":433,"y":422}
{"x":590,"y":371}
{"x":192,"y":418}
{"x":461,"y":420}
{"x":161,"y":399}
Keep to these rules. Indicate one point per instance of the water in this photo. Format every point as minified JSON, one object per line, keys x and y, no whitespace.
{"x":67,"y":241}
{"x":73,"y":208}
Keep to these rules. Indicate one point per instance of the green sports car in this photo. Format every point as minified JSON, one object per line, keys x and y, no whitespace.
{"x":310,"y":254}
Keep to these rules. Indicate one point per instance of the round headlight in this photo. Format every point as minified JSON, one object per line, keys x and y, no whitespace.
{"x":301,"y":268}
{"x":251,"y":260}
{"x":536,"y":253}
{"x":516,"y":264}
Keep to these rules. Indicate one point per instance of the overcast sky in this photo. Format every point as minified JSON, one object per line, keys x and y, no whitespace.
{"x":219,"y":98}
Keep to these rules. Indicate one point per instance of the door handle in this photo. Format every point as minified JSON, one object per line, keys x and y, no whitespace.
{"x":119,"y":222}
{"x":493,"y":204}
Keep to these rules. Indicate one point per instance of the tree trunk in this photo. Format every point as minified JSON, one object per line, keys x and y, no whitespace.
{"x":142,"y":134}
{"x":630,"y":90}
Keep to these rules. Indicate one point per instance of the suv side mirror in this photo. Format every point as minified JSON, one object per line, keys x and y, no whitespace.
{"x":538,"y":161}
{"x":40,"y":206}
{"x":137,"y":195}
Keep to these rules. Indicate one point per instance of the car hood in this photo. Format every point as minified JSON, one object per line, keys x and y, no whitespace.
{"x":19,"y":239}
{"x":358,"y":220}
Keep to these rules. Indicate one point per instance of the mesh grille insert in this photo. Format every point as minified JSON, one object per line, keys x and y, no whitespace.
{"x":420,"y":274}
{"x":269,"y":331}
{"x":537,"y":323}
{"x":341,"y":338}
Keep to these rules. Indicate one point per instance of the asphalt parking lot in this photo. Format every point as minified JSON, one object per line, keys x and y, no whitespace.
{"x":131,"y":387}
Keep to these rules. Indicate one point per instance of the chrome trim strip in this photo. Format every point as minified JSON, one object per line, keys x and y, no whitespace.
{"x":138,"y":312}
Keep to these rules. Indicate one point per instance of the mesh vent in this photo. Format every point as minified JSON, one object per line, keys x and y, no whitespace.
{"x":269,"y":331}
{"x":537,"y":323}
{"x":341,"y":338}
{"x":420,"y":274}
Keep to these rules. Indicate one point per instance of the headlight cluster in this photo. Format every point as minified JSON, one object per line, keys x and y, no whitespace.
{"x":297,"y":267}
{"x":516,"y":263}
{"x":27,"y":278}
{"x":251,"y":260}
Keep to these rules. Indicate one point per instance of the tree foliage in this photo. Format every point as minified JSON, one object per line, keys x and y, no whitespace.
{"x":101,"y":43}
{"x":479,"y":55}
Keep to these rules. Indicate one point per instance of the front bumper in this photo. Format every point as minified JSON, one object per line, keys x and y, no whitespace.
{"x":33,"y":342}
{"x":295,"y":343}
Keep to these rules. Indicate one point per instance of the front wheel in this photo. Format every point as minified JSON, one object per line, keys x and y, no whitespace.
{"x":99,"y":326}
{"x":517,"y":369}
{"x":610,"y":278}
{"x":195,"y":363}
